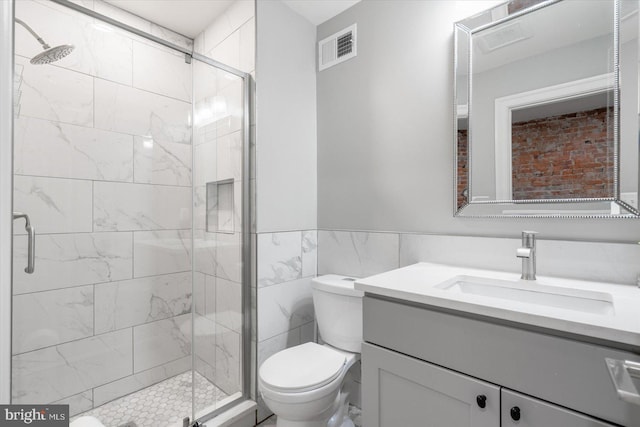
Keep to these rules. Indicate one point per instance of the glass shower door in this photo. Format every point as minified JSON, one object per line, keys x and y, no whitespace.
{"x":102,"y":165}
{"x":135,"y":188}
{"x":218,"y":236}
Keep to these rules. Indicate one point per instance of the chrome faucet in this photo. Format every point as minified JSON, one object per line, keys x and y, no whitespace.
{"x":528,"y":254}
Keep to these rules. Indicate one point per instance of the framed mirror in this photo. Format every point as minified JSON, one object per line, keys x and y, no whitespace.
{"x":546,"y":110}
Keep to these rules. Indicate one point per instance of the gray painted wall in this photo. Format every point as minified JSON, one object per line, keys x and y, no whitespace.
{"x":286,"y":120}
{"x":286,"y":179}
{"x":385,"y":135}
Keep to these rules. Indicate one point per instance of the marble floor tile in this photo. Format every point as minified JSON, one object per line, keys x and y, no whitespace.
{"x":161,"y":405}
{"x":139,"y":381}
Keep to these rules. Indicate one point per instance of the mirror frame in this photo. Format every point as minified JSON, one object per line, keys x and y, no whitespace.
{"x":533,"y":208}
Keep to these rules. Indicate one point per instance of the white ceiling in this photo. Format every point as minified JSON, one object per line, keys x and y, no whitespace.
{"x":191,"y":17}
{"x":319,"y":11}
{"x":186,"y":17}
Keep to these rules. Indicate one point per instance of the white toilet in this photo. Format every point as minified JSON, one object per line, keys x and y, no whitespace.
{"x":303,"y":385}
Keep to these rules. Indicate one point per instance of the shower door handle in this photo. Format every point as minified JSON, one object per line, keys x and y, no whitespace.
{"x":31,"y":248}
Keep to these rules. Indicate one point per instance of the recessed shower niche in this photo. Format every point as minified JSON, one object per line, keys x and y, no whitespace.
{"x":220,"y":206}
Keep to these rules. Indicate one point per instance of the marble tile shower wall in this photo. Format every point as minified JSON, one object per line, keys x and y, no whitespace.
{"x":218,"y":155}
{"x":287,"y":261}
{"x":103,"y":167}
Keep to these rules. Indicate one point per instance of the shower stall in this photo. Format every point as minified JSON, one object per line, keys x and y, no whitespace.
{"x":128,"y":155}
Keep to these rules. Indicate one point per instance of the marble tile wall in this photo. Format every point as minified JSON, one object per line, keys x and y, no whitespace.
{"x":367,"y":253}
{"x":103,"y":168}
{"x":230,"y":38}
{"x":286,"y":263}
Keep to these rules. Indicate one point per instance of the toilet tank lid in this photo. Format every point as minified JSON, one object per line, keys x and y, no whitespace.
{"x":301,"y":368}
{"x":337,"y":284}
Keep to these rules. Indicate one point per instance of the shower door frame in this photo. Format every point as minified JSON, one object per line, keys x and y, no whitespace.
{"x":6,"y":194}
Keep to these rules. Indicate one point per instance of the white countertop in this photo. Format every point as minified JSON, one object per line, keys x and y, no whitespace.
{"x":418,"y":283}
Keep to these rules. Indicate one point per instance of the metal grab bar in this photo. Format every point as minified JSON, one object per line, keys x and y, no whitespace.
{"x":31,"y":249}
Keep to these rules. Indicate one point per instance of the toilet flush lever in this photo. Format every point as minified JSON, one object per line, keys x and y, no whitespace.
{"x":31,"y":248}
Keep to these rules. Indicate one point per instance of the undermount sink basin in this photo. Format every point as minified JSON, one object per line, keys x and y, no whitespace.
{"x":585,"y":301}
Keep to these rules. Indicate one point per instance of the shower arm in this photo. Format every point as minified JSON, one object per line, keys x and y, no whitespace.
{"x":45,"y":46}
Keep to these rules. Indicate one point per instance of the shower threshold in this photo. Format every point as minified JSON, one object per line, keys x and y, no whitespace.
{"x":164,"y":404}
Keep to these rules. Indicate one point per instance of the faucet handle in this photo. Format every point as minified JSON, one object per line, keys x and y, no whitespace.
{"x":523,"y":252}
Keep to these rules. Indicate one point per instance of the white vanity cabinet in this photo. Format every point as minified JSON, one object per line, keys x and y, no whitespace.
{"x":425,"y":366}
{"x":403,"y":391}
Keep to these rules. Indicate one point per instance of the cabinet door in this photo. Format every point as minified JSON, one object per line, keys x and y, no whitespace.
{"x":400,"y":391}
{"x":524,"y":411}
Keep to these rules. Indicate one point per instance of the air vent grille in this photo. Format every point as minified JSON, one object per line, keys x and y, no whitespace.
{"x":337,"y":48}
{"x":345,"y":44}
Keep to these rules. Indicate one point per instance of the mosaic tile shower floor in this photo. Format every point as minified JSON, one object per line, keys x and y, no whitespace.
{"x":161,"y":405}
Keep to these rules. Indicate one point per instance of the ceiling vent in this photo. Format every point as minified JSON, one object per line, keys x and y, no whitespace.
{"x":337,"y":48}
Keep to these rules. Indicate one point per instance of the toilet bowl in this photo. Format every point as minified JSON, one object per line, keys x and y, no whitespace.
{"x":303,"y":385}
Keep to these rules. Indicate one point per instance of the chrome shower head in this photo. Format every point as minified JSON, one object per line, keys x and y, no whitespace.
{"x":52,"y":54}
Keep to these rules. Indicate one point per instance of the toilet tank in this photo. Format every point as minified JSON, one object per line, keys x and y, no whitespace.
{"x":338,"y":308}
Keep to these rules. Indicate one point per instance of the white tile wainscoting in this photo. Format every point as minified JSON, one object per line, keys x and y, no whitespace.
{"x":286,"y":263}
{"x":362,"y":253}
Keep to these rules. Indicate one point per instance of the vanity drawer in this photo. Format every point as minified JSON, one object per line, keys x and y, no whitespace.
{"x":570,"y":373}
{"x":523,"y":411}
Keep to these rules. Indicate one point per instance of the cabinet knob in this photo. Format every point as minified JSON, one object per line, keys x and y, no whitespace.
{"x":515,"y":413}
{"x":481,"y":400}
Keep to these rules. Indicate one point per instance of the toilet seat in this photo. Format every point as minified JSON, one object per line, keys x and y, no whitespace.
{"x":302,"y":368}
